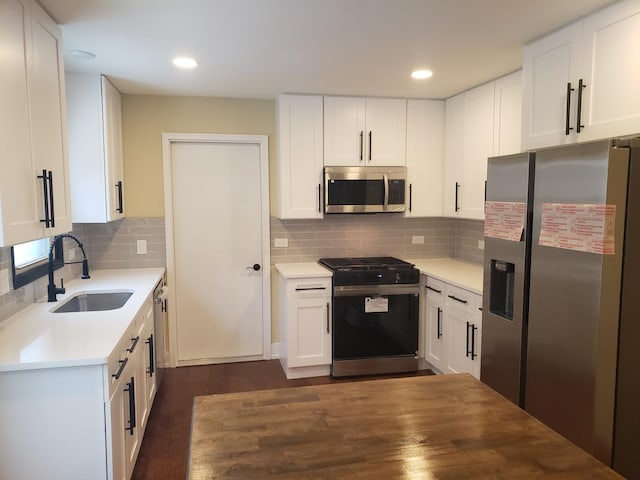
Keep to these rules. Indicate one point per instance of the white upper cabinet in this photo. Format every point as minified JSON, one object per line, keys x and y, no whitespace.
{"x":425,"y":158}
{"x":364,"y":131}
{"x":507,"y":124}
{"x":469,"y":132}
{"x":95,"y":148}
{"x":34,"y":195}
{"x":580,"y":83}
{"x":299,"y":149}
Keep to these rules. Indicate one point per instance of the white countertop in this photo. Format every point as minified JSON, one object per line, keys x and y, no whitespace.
{"x":461,"y":274}
{"x":302,"y":270}
{"x":37,"y":338}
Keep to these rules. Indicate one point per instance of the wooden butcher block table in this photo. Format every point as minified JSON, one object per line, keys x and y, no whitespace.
{"x":428,"y":427}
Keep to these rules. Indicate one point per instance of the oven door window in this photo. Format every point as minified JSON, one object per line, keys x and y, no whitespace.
{"x":375,"y":326}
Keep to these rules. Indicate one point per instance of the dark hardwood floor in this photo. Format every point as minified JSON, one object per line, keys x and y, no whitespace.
{"x":165,"y":449}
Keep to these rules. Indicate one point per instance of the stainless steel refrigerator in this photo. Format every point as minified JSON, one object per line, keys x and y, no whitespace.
{"x":561,"y":303}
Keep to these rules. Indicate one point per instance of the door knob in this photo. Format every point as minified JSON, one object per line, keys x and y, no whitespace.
{"x":256,"y":267}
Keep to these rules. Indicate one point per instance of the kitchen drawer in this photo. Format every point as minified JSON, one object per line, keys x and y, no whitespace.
{"x":121,"y":356}
{"x":435,"y":288}
{"x":477,"y":309}
{"x":460,"y":298}
{"x":311,"y":288}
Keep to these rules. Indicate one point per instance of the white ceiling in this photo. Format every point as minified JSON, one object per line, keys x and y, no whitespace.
{"x":258,"y":48}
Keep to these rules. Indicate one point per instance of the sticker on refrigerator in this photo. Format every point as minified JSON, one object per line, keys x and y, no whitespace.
{"x":579,"y":227}
{"x":504,"y":220}
{"x":376,"y":304}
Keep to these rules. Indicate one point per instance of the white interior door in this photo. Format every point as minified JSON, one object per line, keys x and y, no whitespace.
{"x":217,"y":216}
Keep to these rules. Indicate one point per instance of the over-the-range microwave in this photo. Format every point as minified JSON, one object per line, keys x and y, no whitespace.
{"x":364,"y":189}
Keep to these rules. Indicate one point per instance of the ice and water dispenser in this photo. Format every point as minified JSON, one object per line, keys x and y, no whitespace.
{"x":502,"y":287}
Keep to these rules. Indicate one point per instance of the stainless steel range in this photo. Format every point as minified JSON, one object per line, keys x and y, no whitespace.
{"x":375,"y":315}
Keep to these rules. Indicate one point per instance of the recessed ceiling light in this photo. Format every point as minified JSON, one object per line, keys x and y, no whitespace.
{"x":421,"y":74}
{"x":185,"y":62}
{"x":82,"y":55}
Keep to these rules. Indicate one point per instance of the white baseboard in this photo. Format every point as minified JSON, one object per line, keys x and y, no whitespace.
{"x":275,"y":351}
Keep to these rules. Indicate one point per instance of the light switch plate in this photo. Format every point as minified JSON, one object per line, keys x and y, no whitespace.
{"x":5,"y":286}
{"x":142,"y":247}
{"x":481,"y":244}
{"x":419,"y":239}
{"x":281,"y":242}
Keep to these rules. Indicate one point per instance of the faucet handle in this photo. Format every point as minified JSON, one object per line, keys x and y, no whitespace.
{"x":61,"y":289}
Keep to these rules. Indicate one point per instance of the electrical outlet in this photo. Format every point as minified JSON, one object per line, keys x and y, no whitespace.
{"x":281,"y":242}
{"x":481,"y":244}
{"x":417,"y":239}
{"x":5,"y":287}
{"x":142,"y":247}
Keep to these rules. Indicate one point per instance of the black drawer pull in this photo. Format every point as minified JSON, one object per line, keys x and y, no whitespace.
{"x":432,"y":289}
{"x":123,"y":364}
{"x":306,"y":289}
{"x":134,"y":342}
{"x":453,"y":297}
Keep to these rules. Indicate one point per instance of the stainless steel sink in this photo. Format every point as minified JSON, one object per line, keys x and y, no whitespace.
{"x":94,"y":302}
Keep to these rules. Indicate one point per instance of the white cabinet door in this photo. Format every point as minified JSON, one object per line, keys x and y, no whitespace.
{"x":32,"y":121}
{"x":309,"y":324}
{"x":19,"y":188}
{"x":611,"y":72}
{"x":117,"y":465}
{"x":457,"y":322}
{"x":299,"y":163}
{"x":386,"y":135}
{"x":344,"y":131}
{"x":477,"y":148}
{"x":364,"y":131}
{"x":425,"y":158}
{"x":453,"y":153}
{"x":550,"y":71}
{"x":436,"y":347}
{"x":48,"y":120}
{"x":112,"y":122}
{"x":94,"y":109}
{"x":507,"y":124}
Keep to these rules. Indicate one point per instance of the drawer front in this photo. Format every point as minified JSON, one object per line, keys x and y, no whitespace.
{"x":460,"y":298}
{"x":477,"y":310}
{"x":435,"y":288}
{"x":120,"y":357}
{"x":311,"y":288}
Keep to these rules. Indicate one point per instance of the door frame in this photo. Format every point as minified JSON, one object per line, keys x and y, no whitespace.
{"x":262,"y":141}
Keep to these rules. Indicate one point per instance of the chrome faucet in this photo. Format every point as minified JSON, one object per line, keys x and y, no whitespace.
{"x":52,"y":290}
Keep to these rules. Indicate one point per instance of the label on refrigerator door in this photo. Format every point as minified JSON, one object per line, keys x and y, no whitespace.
{"x":504,"y":220}
{"x":579,"y":227}
{"x":376,"y":304}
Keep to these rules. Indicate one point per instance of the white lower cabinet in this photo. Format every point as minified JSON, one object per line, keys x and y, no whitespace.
{"x":305,"y":325}
{"x":453,"y":327}
{"x":80,"y":422}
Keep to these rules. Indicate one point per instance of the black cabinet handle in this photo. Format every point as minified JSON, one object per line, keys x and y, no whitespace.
{"x":328,"y":317}
{"x":467,"y":352}
{"x":120,"y":208}
{"x":163,"y":307}
{"x":361,"y":144}
{"x":438,"y":330}
{"x":485,"y":190}
{"x":457,"y":187}
{"x":319,"y":198}
{"x":152,"y":366}
{"x":123,"y":363}
{"x":410,"y":196}
{"x":306,"y":289}
{"x":45,"y":195}
{"x":473,"y":341}
{"x":579,"y":126}
{"x":51,"y":209}
{"x":370,"y":135}
{"x":134,"y":342}
{"x":453,"y":297}
{"x":132,"y":405}
{"x":432,"y":289}
{"x":567,"y":128}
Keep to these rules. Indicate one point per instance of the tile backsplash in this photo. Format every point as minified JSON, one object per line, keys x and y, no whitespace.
{"x":114,"y":245}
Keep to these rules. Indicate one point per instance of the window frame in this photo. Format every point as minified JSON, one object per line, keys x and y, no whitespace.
{"x":30,"y":273}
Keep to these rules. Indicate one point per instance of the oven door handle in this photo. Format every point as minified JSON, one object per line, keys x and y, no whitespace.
{"x":376,"y":290}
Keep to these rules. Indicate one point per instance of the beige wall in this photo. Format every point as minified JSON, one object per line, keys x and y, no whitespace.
{"x":147,"y":117}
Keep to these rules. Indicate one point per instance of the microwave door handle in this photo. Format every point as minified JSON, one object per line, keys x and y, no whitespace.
{"x":385,"y":178}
